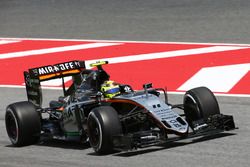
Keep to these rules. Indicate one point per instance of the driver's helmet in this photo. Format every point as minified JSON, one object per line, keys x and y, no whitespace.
{"x":110,"y":89}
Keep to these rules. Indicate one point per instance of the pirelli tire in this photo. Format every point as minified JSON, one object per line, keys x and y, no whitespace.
{"x":200,"y":103}
{"x":103,"y":123}
{"x":23,"y":123}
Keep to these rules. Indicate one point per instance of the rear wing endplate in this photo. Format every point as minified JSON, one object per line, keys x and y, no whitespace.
{"x":34,"y":76}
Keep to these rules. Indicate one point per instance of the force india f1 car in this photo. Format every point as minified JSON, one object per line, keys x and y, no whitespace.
{"x":129,"y":120}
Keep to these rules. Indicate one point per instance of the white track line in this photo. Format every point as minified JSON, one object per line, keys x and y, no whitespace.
{"x":224,"y":47}
{"x":150,"y":56}
{"x":131,"y":58}
{"x":168,"y":54}
{"x":123,"y":41}
{"x":218,"y":78}
{"x":2,"y":42}
{"x":56,"y":49}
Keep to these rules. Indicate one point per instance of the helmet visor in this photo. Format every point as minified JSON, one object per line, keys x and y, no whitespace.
{"x":113,"y":90}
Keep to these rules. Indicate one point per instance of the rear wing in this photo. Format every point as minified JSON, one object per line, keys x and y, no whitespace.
{"x":34,"y":76}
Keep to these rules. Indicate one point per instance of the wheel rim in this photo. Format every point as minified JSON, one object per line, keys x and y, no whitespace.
{"x":12,"y":127}
{"x":95,"y":132}
{"x":192,"y":110}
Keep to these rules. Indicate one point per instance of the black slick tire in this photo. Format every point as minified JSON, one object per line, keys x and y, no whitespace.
{"x":23,"y":123}
{"x":103,"y":123}
{"x":200,"y":103}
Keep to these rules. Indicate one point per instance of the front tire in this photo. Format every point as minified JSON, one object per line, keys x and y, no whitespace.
{"x":23,"y":123}
{"x":200,"y":103}
{"x":103,"y":124}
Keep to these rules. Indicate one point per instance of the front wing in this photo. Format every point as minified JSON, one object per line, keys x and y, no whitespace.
{"x":214,"y":125}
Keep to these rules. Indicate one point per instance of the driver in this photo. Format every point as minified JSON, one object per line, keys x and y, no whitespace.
{"x":110,"y":89}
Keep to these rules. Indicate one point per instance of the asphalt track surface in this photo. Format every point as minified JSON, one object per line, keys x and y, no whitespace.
{"x":151,"y":20}
{"x":159,"y":20}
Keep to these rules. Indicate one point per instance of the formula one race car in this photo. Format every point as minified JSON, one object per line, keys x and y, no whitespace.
{"x":108,"y":115}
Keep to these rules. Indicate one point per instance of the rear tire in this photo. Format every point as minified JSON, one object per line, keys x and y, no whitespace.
{"x":103,"y":124}
{"x":23,"y":123}
{"x":200,"y":103}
